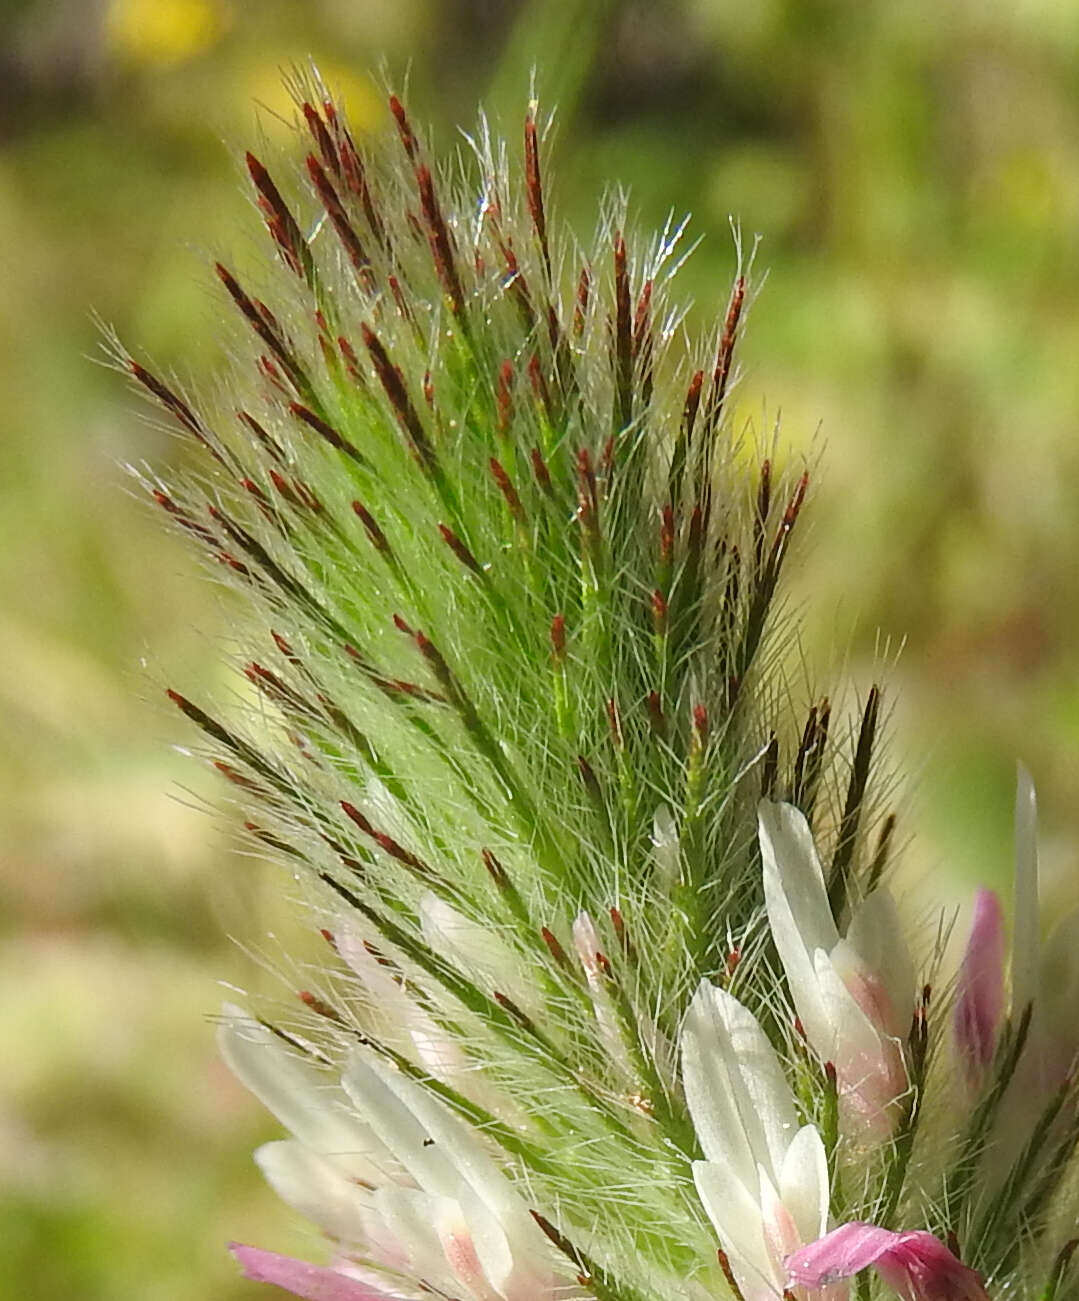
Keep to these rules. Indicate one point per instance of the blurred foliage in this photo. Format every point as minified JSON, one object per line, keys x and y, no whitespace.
{"x":914,"y":171}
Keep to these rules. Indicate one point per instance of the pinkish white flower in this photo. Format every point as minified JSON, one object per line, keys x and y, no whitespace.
{"x":915,"y":1264}
{"x":854,"y":994}
{"x":764,"y":1182}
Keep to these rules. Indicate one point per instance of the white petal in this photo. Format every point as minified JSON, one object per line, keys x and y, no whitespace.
{"x":736,"y":1091}
{"x":852,"y":1038}
{"x":876,"y":934}
{"x":300,"y":1095}
{"x":1025,"y":946}
{"x":408,"y":1215}
{"x":787,"y":841}
{"x":797,"y":904}
{"x":471,"y":947}
{"x":736,"y":1216}
{"x":477,"y":1177}
{"x":310,"y":1184}
{"x":803,"y":1183}
{"x":403,"y":1134}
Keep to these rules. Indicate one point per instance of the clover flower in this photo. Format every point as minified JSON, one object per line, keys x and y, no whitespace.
{"x":614,"y":1001}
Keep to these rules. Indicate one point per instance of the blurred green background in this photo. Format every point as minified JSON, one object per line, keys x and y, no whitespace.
{"x":914,"y":170}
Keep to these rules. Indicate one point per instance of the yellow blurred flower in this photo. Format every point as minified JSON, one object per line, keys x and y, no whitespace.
{"x":162,"y":31}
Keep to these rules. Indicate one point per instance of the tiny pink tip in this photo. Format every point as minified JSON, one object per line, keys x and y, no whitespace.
{"x":979,"y":1005}
{"x":302,"y":1279}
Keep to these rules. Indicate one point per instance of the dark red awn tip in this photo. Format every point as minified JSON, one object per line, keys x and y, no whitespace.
{"x":460,"y":550}
{"x":764,"y":490}
{"x":799,"y":1028}
{"x":235,"y":776}
{"x":320,"y":426}
{"x":283,"y":646}
{"x":438,"y":237}
{"x":354,"y":815}
{"x":700,"y":722}
{"x":352,"y":363}
{"x":399,"y":299}
{"x":655,"y":713}
{"x":696,"y":527}
{"x":168,"y":399}
{"x":494,"y":867}
{"x":322,"y":138}
{"x":237,"y":566}
{"x":404,"y":127}
{"x":538,"y":381}
{"x":534,"y":189}
{"x":249,"y":485}
{"x":692,"y":403}
{"x":539,"y":469}
{"x":316,"y":1004}
{"x":504,"y":397}
{"x":618,"y":922}
{"x":623,"y":330}
{"x":580,"y":307}
{"x":725,"y":351}
{"x":509,"y":492}
{"x":284,"y":487}
{"x":401,"y":626}
{"x":830,"y":1074}
{"x":659,"y":607}
{"x":732,"y":961}
{"x":378,"y":538}
{"x":389,"y":376}
{"x":343,"y":228}
{"x":553,"y":946}
{"x":641,"y":319}
{"x":279,"y":219}
{"x":558,"y":635}
{"x":588,"y":775}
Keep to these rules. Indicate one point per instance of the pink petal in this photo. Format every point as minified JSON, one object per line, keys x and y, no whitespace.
{"x":312,"y":1282}
{"x":915,"y":1264}
{"x":979,"y":1008}
{"x":838,"y":1254}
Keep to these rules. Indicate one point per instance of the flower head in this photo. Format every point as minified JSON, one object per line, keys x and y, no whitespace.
{"x":506,"y":716}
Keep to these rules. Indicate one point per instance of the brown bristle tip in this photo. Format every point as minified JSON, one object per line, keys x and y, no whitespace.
{"x":558,"y":634}
{"x":401,"y":626}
